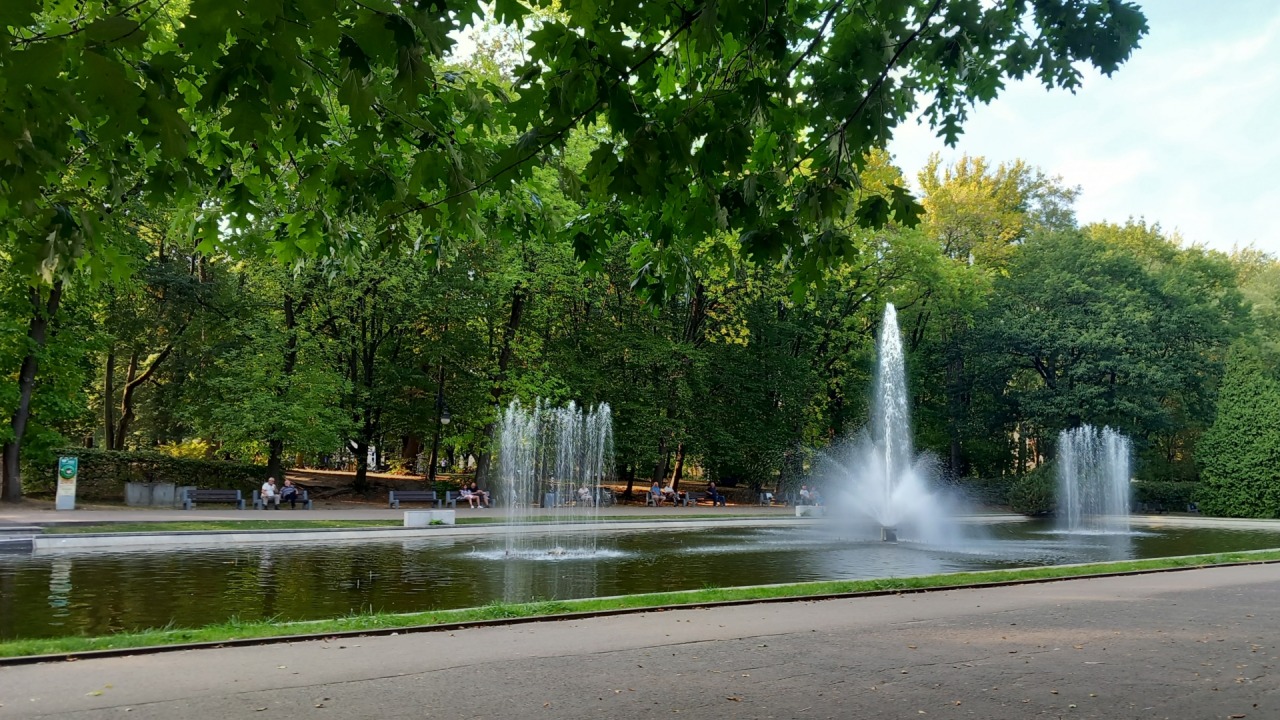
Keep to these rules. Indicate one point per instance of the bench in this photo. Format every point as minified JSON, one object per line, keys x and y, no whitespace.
{"x":196,"y":495}
{"x":398,"y":496}
{"x":303,"y":497}
{"x":451,"y":498}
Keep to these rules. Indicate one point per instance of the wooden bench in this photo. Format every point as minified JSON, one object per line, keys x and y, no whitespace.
{"x":451,"y":498}
{"x":196,"y":495}
{"x":303,"y":497}
{"x":398,"y":496}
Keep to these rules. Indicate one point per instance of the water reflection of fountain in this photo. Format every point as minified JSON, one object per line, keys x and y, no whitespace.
{"x":1093,"y":481}
{"x":876,"y":478}
{"x":558,"y":459}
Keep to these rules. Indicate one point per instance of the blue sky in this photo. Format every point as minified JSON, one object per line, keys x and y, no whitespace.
{"x":1186,"y":134}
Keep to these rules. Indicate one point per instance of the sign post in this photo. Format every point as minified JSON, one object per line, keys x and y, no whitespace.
{"x":68,"y":471}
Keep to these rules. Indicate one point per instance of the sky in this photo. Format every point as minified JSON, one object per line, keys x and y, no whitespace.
{"x":1185,"y":134}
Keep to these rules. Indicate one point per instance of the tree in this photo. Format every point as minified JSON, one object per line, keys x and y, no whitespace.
{"x":1086,"y":330}
{"x":726,"y":116}
{"x":1239,"y":455}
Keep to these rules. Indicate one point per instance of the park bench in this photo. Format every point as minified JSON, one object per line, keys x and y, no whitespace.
{"x":398,"y":496}
{"x":451,"y":498}
{"x":303,"y":497}
{"x":196,"y":495}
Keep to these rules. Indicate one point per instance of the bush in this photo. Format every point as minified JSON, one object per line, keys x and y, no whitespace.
{"x":1166,"y":494}
{"x":1034,"y":493}
{"x":103,"y":473}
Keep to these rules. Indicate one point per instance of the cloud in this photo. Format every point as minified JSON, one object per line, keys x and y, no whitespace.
{"x":1182,"y":134}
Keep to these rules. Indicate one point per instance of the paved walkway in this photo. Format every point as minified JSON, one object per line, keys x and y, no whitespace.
{"x":1190,"y":644}
{"x":38,"y":513}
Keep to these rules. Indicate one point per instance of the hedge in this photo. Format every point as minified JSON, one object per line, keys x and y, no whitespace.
{"x":1165,"y":494}
{"x":103,"y":473}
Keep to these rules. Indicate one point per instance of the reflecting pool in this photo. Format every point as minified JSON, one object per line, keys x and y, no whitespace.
{"x":66,"y":593}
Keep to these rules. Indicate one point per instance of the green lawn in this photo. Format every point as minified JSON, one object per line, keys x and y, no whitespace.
{"x":232,"y":630}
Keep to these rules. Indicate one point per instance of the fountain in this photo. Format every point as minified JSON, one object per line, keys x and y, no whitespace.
{"x":556,"y":458}
{"x":876,"y":475}
{"x":1093,"y":481}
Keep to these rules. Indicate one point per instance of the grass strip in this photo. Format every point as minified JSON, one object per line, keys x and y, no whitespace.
{"x":235,"y":629}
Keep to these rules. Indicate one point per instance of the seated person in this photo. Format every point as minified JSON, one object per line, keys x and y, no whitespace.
{"x":584,"y":496}
{"x":289,"y":493}
{"x":269,"y":494}
{"x":669,"y":493}
{"x":466,"y":494}
{"x":656,"y":493}
{"x":713,"y":494}
{"x":482,"y":495}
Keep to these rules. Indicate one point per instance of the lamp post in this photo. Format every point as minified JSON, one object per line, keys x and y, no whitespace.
{"x":442,"y":419}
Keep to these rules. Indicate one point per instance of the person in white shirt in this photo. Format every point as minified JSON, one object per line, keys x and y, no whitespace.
{"x":269,"y":494}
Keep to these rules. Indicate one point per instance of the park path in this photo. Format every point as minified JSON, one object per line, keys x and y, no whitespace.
{"x":1189,"y":644}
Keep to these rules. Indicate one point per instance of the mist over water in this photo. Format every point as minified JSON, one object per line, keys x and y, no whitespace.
{"x":875,"y":478}
{"x":557,"y":458}
{"x":1093,"y":480}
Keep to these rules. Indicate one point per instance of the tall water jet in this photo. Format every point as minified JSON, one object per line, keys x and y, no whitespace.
{"x":556,"y":458}
{"x":1093,"y":480}
{"x":876,"y":475}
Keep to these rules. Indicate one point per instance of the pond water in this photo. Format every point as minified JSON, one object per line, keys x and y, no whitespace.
{"x":92,"y":593}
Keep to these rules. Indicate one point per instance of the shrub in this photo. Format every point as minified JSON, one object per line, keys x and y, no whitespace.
{"x":1034,"y":493}
{"x":103,"y":473}
{"x":1167,"y":494}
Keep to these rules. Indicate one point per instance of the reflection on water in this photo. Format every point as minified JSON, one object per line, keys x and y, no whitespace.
{"x":95,"y":593}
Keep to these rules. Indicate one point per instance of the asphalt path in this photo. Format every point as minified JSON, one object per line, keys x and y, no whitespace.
{"x":1189,"y":644}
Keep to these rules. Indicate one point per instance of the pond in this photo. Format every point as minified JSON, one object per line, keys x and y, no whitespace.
{"x":93,"y":593}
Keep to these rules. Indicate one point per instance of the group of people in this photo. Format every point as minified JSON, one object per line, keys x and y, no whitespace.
{"x":667,"y":493}
{"x":810,"y":495}
{"x":272,"y":495}
{"x":474,"y":496}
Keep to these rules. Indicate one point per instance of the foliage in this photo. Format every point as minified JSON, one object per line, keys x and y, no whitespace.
{"x":103,"y":473}
{"x":1034,"y":493}
{"x":1239,"y":454}
{"x":1167,"y":494}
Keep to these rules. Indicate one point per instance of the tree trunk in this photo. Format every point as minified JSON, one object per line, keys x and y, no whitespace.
{"x":629,"y":474}
{"x":108,"y":402}
{"x":126,"y":402}
{"x":499,"y":379}
{"x":275,"y":445}
{"x":361,"y":450}
{"x":679,"y":471}
{"x":42,"y":314}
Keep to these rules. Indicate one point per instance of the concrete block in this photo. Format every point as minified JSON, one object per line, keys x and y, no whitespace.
{"x":423,"y":518}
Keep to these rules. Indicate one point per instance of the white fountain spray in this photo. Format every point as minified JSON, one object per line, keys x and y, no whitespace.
{"x":883,"y":480}
{"x":1093,"y":480}
{"x":556,"y":458}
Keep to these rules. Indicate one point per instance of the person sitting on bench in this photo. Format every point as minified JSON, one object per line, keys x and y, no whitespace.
{"x":471,"y":498}
{"x":289,"y":494}
{"x":714,"y":495}
{"x":669,"y":493}
{"x":269,"y":494}
{"x":481,"y":495}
